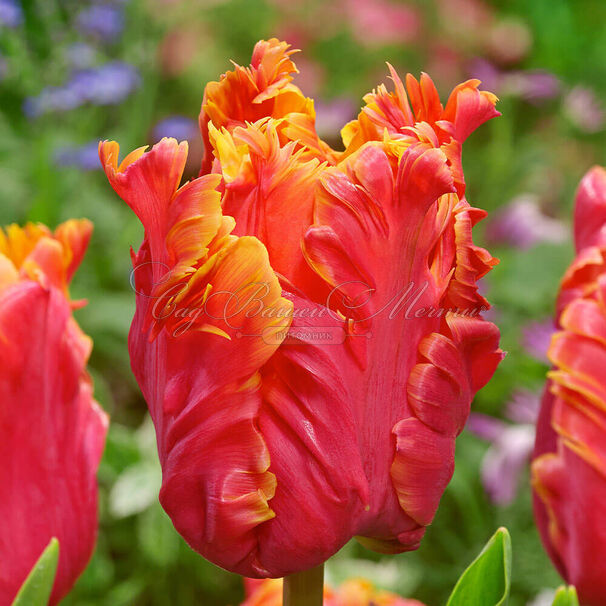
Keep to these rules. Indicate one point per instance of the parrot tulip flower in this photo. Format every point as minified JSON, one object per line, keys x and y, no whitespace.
{"x":353,"y":592}
{"x":52,"y":432}
{"x":569,"y":467}
{"x":308,"y":334}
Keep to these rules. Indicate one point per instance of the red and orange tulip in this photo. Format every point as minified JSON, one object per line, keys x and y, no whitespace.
{"x":291,"y":337}
{"x":353,"y":592}
{"x":569,"y":467}
{"x":52,"y":432}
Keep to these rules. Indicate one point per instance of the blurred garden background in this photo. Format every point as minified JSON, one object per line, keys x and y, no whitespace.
{"x":73,"y":72}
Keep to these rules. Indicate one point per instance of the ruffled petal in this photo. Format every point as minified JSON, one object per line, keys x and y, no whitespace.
{"x":424,"y":98}
{"x":391,"y":117}
{"x":262,"y":90}
{"x":360,"y":225}
{"x":569,"y":466}
{"x":555,"y":479}
{"x":147,"y":182}
{"x":35,"y":253}
{"x":213,"y":331}
{"x":270,"y":191}
{"x":205,"y":402}
{"x":468,"y":108}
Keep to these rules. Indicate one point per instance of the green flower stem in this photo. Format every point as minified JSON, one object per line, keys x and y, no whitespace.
{"x":304,"y":588}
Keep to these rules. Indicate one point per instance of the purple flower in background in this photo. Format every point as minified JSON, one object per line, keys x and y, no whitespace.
{"x":332,"y":115}
{"x":536,"y":338}
{"x":523,"y":408}
{"x":85,"y":157}
{"x":108,"y":84}
{"x":10,"y":13}
{"x":583,"y":108}
{"x":51,"y":99}
{"x":522,"y":224}
{"x":485,"y":71}
{"x":102,"y":21}
{"x":182,"y":129}
{"x":511,"y":445}
{"x":178,"y":127}
{"x":534,"y":85}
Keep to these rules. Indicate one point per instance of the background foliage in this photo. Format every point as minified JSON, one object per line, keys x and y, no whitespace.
{"x":74,"y":72}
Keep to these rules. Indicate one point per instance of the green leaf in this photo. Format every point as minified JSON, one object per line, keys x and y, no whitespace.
{"x":37,"y":588}
{"x":487,"y":579}
{"x":566,"y":596}
{"x":136,"y":489}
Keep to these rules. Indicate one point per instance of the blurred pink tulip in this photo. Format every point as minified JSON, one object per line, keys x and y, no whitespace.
{"x":52,"y":432}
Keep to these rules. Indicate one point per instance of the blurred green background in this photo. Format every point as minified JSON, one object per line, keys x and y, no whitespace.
{"x":74,"y":72}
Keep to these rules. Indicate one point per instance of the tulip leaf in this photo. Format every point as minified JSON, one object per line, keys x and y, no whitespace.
{"x":37,"y":588}
{"x":566,"y":596}
{"x":487,"y":579}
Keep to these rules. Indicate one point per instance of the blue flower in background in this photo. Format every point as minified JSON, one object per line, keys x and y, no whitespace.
{"x":179,"y":127}
{"x":109,"y":84}
{"x":52,"y":98}
{"x":103,"y":21}
{"x":105,"y":85}
{"x":10,"y":13}
{"x":85,"y":157}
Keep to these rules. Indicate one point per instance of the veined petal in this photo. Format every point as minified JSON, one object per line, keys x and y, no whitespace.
{"x":389,"y":242}
{"x":471,"y":262}
{"x":389,"y":110}
{"x":583,"y":278}
{"x":210,"y":352}
{"x":308,"y":423}
{"x":215,"y":322}
{"x":421,"y":470}
{"x":75,"y":236}
{"x":270,"y":191}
